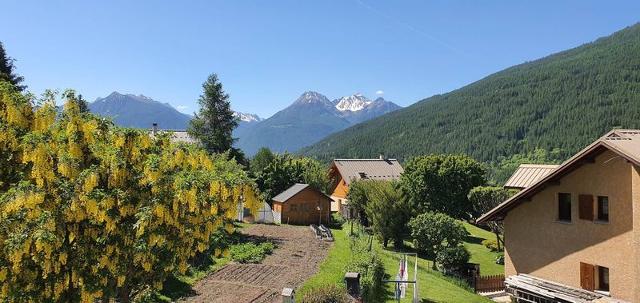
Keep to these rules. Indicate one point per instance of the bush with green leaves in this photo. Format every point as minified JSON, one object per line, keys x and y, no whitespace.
{"x":491,"y":244}
{"x":387,"y":211}
{"x":432,"y":232}
{"x":370,"y":267}
{"x":329,"y":293}
{"x":452,"y":258}
{"x":251,"y":252}
{"x":337,"y":220}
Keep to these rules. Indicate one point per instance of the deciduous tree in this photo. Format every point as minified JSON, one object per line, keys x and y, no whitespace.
{"x":286,"y":170}
{"x":440,"y":183}
{"x":387,"y":212}
{"x":433,"y":232}
{"x":98,"y":211}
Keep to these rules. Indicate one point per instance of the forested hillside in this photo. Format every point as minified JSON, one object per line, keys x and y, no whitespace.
{"x":563,"y":101}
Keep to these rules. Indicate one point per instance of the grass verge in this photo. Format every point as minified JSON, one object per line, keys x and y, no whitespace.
{"x":332,"y":268}
{"x":433,"y":286}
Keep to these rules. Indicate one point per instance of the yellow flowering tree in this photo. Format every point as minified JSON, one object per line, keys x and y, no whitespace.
{"x":100,"y":212}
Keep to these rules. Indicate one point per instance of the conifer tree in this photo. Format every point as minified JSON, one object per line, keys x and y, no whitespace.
{"x":214,"y":123}
{"x":7,"y":70}
{"x":83,"y":105}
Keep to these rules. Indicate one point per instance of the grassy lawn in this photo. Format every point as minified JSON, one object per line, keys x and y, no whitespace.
{"x":433,"y":286}
{"x":481,"y":254}
{"x":332,"y":268}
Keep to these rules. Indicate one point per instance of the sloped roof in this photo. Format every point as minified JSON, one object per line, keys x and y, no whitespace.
{"x":527,"y":174}
{"x":624,"y":142}
{"x":177,"y":136}
{"x":373,"y":169}
{"x":182,"y":136}
{"x":292,"y":191}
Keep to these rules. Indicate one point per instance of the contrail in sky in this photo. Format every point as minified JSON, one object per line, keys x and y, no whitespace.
{"x":410,"y":27}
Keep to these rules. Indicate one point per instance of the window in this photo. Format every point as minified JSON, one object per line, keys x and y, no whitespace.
{"x":564,"y":207}
{"x":603,"y":278}
{"x":603,"y":208}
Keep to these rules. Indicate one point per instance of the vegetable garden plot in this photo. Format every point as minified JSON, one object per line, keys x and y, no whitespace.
{"x":296,"y":258}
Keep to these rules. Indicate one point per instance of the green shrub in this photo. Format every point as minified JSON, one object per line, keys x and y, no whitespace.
{"x":329,"y":293}
{"x":250,"y":252}
{"x":337,"y":220}
{"x":370,"y":267}
{"x":452,"y":258}
{"x":432,"y":232}
{"x":491,"y":244}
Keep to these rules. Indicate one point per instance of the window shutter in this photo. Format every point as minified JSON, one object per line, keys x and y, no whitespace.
{"x":585,"y":203}
{"x":587,"y":280}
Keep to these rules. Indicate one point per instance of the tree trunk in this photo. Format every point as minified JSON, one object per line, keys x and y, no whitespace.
{"x":385,"y":241}
{"x":351,"y":234}
{"x":124,"y":294}
{"x":498,"y":240}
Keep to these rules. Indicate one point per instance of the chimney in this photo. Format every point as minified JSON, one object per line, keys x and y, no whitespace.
{"x":154,"y":130}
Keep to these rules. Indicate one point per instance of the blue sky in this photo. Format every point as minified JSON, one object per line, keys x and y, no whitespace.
{"x":268,"y":52}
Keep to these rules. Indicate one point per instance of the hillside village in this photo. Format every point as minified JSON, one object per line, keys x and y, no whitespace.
{"x":520,"y":187}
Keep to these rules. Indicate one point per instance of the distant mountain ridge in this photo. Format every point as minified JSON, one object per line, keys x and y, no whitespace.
{"x":139,"y":111}
{"x":564,"y":101}
{"x":310,"y":118}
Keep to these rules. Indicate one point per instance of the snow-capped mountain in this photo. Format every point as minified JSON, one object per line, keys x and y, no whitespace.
{"x":308,"y":119}
{"x":352,"y":103}
{"x":246,"y":117}
{"x":358,"y":108}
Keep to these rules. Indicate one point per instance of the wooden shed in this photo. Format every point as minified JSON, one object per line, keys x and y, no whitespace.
{"x":302,"y":204}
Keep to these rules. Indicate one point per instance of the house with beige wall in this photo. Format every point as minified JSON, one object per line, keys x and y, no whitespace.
{"x":346,"y":171}
{"x":573,"y":235}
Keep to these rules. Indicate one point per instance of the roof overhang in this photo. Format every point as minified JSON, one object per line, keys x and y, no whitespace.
{"x":587,"y":155}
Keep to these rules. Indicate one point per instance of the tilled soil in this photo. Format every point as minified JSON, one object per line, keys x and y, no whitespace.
{"x":295,"y":259}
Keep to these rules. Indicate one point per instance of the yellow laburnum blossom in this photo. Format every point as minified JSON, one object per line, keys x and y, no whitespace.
{"x":121,"y":280}
{"x":63,"y":258}
{"x":142,"y":177}
{"x":90,"y":182}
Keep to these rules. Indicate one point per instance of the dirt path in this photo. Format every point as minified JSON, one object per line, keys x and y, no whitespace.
{"x":296,"y":258}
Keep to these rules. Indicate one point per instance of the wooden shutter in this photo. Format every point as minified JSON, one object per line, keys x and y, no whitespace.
{"x":587,"y":280}
{"x":585,"y":207}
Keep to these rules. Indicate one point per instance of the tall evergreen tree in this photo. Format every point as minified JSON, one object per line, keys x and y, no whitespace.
{"x":214,"y":123}
{"x":7,"y":70}
{"x":83,"y":105}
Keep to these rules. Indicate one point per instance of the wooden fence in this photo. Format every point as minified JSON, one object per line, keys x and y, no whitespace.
{"x":488,"y":283}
